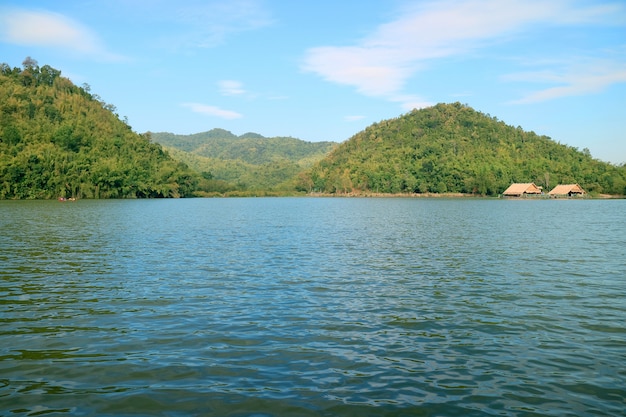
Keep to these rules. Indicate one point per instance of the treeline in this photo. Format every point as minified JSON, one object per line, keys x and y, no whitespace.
{"x":60,"y":140}
{"x":451,"y":148}
{"x":250,"y":162}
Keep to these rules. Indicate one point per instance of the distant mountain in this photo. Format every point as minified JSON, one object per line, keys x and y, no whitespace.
{"x":60,"y":140}
{"x":251,"y":161}
{"x":189,"y":143}
{"x":454,"y":148}
{"x":250,"y":147}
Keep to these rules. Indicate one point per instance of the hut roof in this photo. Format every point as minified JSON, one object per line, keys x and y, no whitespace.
{"x":520,"y":189}
{"x":563,"y":189}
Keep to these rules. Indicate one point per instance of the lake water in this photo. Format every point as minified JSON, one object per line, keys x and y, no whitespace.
{"x":313,"y":307}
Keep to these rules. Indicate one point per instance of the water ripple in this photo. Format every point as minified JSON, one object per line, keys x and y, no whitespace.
{"x":312,"y":307}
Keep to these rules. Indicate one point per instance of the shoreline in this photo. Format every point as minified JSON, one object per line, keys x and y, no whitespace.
{"x":239,"y":194}
{"x":461,"y":196}
{"x":399,"y":195}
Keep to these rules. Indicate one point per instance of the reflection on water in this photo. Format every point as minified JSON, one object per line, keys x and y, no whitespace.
{"x":313,"y":307}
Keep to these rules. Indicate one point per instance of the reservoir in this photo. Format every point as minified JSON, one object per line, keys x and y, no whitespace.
{"x":313,"y":307}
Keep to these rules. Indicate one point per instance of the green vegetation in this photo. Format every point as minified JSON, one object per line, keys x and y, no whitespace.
{"x":451,"y":148}
{"x":59,"y":140}
{"x":249,"y":162}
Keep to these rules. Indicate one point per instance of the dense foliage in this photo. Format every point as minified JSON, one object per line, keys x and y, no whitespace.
{"x":248,"y":162}
{"x":453,"y":148}
{"x":59,"y":140}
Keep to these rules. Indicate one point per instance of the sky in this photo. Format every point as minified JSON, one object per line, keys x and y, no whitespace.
{"x":324,"y":70}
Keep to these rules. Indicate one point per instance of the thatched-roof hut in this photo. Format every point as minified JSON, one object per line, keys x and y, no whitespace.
{"x":567,"y":190}
{"x":522,"y":190}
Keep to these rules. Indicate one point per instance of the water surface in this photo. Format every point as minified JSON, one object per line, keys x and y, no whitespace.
{"x":305,"y":306}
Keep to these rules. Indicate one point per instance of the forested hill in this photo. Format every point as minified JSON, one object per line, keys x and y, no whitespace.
{"x":250,"y":147}
{"x":456,"y":149}
{"x":60,"y":140}
{"x":247,"y":162}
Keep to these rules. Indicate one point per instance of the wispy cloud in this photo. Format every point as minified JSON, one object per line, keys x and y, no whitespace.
{"x":381,"y":64}
{"x":48,"y":29}
{"x":231,"y":88}
{"x":585,"y":77}
{"x":207,"y":24}
{"x":410,"y":102}
{"x":212,"y":111}
{"x":235,"y":88}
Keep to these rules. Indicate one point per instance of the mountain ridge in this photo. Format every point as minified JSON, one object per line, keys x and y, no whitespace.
{"x":224,"y":144}
{"x":251,"y":160}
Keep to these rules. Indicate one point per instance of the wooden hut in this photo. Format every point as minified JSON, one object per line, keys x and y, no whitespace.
{"x":567,"y":190}
{"x":522,"y":190}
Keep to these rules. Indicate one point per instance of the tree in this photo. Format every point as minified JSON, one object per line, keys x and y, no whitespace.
{"x":48,"y":75}
{"x":30,"y":72}
{"x":55,"y":140}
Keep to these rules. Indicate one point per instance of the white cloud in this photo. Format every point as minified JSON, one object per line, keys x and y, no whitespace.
{"x":47,"y":29}
{"x":579,"y":80}
{"x":381,"y":64}
{"x":212,"y":111}
{"x":207,"y":24}
{"x":231,"y":88}
{"x":373,"y":71}
{"x":409,"y":102}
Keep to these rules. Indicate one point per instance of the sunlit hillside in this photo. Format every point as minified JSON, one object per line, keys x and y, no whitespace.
{"x":452,"y":148}
{"x":60,"y":140}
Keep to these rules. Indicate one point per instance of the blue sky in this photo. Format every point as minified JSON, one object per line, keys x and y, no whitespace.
{"x":325,"y":70}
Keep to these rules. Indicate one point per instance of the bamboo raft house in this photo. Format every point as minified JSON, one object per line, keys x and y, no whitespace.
{"x":522,"y":190}
{"x":567,"y":190}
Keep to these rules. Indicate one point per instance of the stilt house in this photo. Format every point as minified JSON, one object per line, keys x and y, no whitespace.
{"x":567,"y":190}
{"x":522,"y":190}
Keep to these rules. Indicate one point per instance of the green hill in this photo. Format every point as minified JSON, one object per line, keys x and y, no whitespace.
{"x":59,"y":140}
{"x":451,"y":148}
{"x":247,"y":162}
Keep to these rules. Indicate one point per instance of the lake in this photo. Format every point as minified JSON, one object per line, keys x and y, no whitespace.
{"x":313,"y":307}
